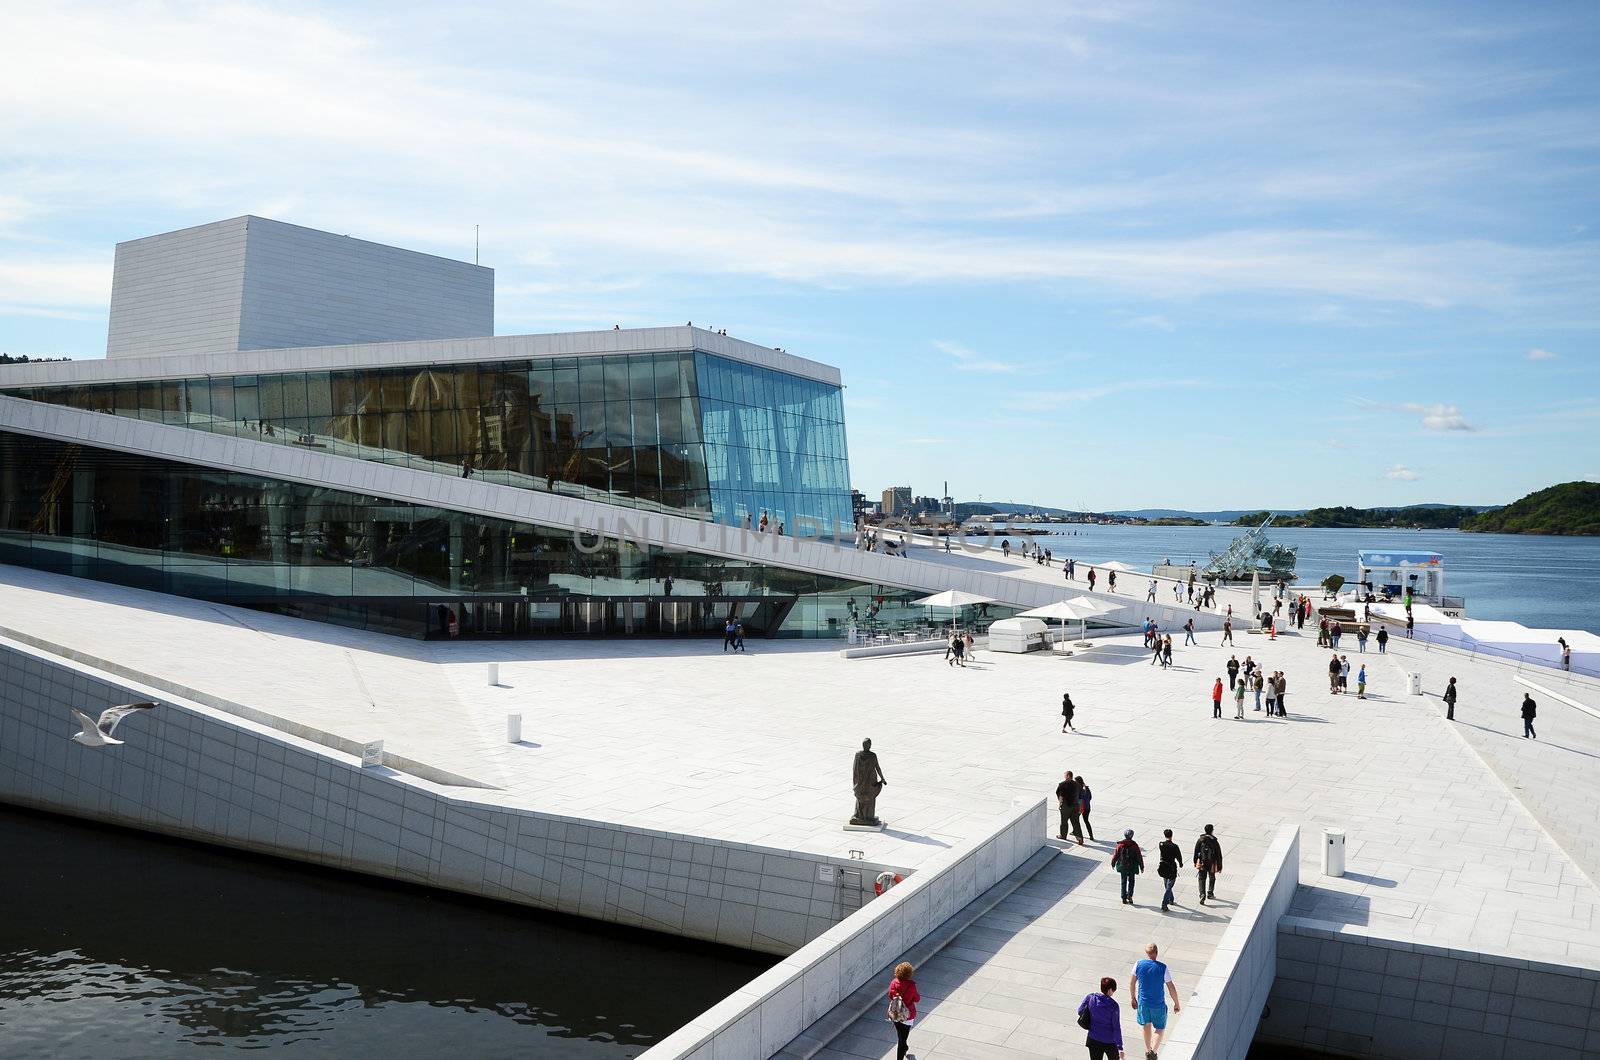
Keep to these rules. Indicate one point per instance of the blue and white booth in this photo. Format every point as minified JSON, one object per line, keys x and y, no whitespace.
{"x":1390,"y":574}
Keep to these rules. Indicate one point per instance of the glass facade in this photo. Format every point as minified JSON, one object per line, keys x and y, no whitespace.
{"x":381,"y":564}
{"x":685,"y":432}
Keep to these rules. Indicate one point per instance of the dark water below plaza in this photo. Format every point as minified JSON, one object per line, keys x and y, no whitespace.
{"x":1550,"y":582}
{"x":118,"y":945}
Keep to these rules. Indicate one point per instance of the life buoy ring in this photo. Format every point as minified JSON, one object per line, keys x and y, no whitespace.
{"x":886,"y":880}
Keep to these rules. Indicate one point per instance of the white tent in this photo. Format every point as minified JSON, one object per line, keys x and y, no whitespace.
{"x":1081,"y":608}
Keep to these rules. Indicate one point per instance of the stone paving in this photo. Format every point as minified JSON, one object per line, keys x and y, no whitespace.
{"x":674,"y":735}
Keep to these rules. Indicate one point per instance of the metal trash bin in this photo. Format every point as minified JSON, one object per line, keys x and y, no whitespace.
{"x":1414,"y":683}
{"x":1333,"y":851}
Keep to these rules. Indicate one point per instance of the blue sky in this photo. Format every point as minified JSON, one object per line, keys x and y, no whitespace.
{"x":1103,"y":255}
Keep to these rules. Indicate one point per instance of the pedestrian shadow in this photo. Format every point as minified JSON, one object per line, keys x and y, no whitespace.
{"x":1518,"y":736}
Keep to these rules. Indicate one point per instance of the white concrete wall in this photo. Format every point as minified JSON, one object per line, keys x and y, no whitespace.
{"x":178,"y":292}
{"x":303,"y":287}
{"x":193,"y":771}
{"x":249,"y":283}
{"x":762,"y":1017}
{"x":1353,"y":994}
{"x":1220,"y":1017}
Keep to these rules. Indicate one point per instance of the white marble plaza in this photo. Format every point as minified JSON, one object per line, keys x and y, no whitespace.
{"x":675,"y":735}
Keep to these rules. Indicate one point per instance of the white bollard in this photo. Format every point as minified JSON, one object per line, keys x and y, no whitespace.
{"x":1333,"y":851}
{"x":494,"y":674}
{"x":1414,"y":683}
{"x":513,"y":728}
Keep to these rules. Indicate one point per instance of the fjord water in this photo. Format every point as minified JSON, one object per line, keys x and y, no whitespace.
{"x":1548,"y":582}
{"x":116,"y":945}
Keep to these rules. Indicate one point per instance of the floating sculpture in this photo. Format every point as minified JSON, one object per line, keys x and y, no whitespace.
{"x":1251,"y":553}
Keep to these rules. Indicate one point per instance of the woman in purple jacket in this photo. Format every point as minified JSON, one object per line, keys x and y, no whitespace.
{"x":1105,"y":1022}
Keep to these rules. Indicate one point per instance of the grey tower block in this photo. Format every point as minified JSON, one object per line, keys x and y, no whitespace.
{"x":249,"y":283}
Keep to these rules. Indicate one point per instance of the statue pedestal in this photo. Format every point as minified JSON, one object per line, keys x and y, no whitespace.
{"x":880,"y":826}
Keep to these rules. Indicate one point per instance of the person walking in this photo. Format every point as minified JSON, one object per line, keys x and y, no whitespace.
{"x":903,"y":998}
{"x":1067,"y":710}
{"x":1207,"y":863}
{"x":1411,"y":624}
{"x":1085,"y":800}
{"x":1227,"y":631}
{"x":1361,"y":682}
{"x":1216,"y":699}
{"x":1238,"y":702}
{"x":738,"y":636}
{"x":1166,"y":651}
{"x":1128,"y":860}
{"x":727,"y":636}
{"x":1091,"y":579}
{"x":1069,"y":796}
{"x":1111,"y":581}
{"x":1233,"y":671}
{"x":1150,"y":595}
{"x":1530,"y":710}
{"x":1167,"y":866}
{"x":1101,"y":1016}
{"x":1188,"y":633}
{"x":1383,"y":640}
{"x":1150,"y":981}
{"x":1450,"y":700}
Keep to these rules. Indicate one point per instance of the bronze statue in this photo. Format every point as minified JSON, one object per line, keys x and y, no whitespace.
{"x":868,"y":780}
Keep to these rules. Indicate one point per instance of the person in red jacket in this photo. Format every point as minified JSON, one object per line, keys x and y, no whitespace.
{"x":1216,"y":699}
{"x":903,"y":989}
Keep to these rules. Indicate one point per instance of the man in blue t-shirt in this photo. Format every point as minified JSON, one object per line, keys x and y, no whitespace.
{"x":1150,"y":976}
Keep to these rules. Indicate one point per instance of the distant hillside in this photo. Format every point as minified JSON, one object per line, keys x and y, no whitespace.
{"x":1428,"y":516}
{"x":1179,"y":513}
{"x":1571,"y":508}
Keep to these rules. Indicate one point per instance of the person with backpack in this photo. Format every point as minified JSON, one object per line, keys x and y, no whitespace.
{"x":1128,"y":860}
{"x":1101,"y":1016}
{"x":1208,"y":863}
{"x":1170,"y":861}
{"x":903,"y":998}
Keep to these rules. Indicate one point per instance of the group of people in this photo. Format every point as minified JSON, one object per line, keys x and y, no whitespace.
{"x":1339,"y":676}
{"x":1250,"y":676}
{"x":732,"y":635}
{"x":958,"y":649}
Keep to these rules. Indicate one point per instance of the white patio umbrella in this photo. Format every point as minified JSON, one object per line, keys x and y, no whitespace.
{"x":953,"y":600}
{"x":1081,"y":608}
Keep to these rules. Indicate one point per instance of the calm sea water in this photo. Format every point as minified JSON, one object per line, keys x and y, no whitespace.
{"x":117,"y":944}
{"x":1551,"y":582}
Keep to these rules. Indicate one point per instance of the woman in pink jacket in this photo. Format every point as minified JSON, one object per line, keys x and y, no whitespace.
{"x":903,"y":998}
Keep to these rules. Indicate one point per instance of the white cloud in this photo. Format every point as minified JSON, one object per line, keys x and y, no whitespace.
{"x":1334,"y":443}
{"x":1401,"y":473}
{"x":1538,"y":353}
{"x":969,"y":360}
{"x":1439,"y":417}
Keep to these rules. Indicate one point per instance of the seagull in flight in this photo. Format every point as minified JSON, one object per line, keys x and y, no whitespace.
{"x":98,"y":734}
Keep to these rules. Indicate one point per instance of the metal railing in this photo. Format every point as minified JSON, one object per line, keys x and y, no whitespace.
{"x":1577,"y":674}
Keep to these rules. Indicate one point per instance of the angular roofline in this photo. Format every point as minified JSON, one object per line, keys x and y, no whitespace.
{"x":413,"y":352}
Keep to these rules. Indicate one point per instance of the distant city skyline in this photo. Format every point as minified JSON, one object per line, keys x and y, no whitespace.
{"x":1127,"y":256}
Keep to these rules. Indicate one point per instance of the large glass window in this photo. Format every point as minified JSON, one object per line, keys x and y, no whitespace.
{"x":670,"y":431}
{"x":365,"y":560}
